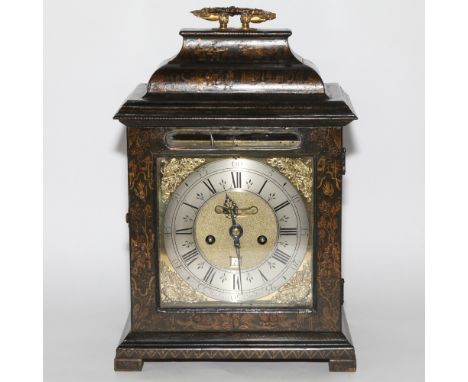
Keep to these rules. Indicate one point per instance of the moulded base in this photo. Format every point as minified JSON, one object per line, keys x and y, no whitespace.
{"x":332,"y":347}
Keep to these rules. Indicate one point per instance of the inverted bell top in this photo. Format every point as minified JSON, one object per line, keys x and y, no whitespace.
{"x":237,"y":62}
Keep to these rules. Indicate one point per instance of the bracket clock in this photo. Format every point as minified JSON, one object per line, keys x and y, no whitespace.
{"x":235,"y":165}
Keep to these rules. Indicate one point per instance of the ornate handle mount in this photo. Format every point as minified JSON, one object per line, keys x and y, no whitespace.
{"x":247,"y":15}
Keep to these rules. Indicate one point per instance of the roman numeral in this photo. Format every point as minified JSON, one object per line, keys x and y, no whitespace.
{"x":236,"y":179}
{"x":235,"y":281}
{"x":288,"y":231}
{"x":195,"y":208}
{"x":190,"y":256}
{"x":261,"y":188}
{"x":282,"y":205}
{"x":209,"y":275}
{"x":281,"y":256}
{"x":184,"y":231}
{"x":263,"y":276}
{"x":210,"y":186}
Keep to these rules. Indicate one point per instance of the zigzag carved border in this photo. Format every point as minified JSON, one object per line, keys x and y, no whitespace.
{"x":236,"y":354}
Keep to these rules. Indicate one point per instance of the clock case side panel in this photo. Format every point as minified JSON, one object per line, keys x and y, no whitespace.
{"x":144,"y":145}
{"x":141,"y":221}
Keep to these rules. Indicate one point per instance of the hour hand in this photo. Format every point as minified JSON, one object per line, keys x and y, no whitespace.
{"x":240,"y":211}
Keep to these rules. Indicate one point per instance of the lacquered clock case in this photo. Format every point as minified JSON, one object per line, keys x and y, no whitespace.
{"x":236,"y":82}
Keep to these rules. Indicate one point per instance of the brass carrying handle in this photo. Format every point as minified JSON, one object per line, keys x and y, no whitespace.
{"x":247,"y":15}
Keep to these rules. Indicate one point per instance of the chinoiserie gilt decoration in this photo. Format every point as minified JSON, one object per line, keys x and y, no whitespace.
{"x":235,"y":166}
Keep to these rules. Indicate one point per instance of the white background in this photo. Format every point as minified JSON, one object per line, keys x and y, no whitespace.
{"x":96,"y":52}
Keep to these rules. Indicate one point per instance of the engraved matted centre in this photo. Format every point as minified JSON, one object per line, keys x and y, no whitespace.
{"x":261,"y":223}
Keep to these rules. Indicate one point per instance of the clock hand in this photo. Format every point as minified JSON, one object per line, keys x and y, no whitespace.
{"x":235,"y":231}
{"x":240,"y":211}
{"x":233,"y":217}
{"x":229,"y":208}
{"x":237,"y":246}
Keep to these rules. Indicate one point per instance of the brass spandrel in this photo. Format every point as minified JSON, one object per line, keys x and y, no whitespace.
{"x":174,"y":289}
{"x":298,"y":290}
{"x":174,"y":171}
{"x":299,"y":171}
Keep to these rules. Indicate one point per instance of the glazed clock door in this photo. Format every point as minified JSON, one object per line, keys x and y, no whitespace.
{"x":236,"y":232}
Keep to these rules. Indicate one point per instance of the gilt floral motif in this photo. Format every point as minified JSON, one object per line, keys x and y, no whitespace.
{"x":173,"y":288}
{"x":174,"y":171}
{"x":298,"y":171}
{"x":298,"y":290}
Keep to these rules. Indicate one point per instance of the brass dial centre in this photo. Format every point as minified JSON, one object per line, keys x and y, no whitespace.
{"x":256,"y":218}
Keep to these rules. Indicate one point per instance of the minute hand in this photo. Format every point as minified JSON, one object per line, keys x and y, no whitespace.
{"x":236,"y":232}
{"x":237,"y":246}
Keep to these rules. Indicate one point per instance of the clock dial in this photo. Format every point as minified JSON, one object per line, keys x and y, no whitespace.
{"x":236,"y":230}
